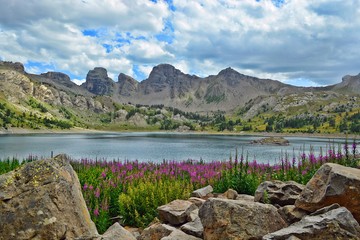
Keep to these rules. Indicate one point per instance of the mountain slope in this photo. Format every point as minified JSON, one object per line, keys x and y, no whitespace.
{"x":52,"y":100}
{"x":169,"y":86}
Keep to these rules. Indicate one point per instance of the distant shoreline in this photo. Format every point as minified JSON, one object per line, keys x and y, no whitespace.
{"x":20,"y":131}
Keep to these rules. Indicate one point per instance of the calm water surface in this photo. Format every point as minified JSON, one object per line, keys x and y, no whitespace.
{"x":152,"y":146}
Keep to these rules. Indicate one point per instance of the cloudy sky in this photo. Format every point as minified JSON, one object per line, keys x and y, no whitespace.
{"x":301,"y":42}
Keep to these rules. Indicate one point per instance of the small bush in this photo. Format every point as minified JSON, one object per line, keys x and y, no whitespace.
{"x":138,"y":204}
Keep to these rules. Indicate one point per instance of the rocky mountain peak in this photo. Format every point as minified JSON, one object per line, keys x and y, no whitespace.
{"x":59,"y":77}
{"x":127,"y":85}
{"x":56,"y":76}
{"x":98,"y":82}
{"x":229,"y":73}
{"x":125,"y":78}
{"x":349,"y":78}
{"x":164,"y":71}
{"x":17,"y":66}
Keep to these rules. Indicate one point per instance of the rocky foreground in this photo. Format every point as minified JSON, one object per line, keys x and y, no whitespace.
{"x":43,"y":200}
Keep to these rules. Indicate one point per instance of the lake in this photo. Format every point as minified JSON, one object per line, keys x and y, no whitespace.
{"x":153,"y":146}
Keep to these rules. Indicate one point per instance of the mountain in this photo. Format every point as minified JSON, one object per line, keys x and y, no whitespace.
{"x":52,"y":99}
{"x":169,"y":86}
{"x":348,"y":84}
{"x":98,"y":82}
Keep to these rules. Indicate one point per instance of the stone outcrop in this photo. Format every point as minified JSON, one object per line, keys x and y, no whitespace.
{"x":334,"y":224}
{"x":202,"y":192}
{"x":237,"y":219}
{"x":176,"y":212}
{"x":278,"y":192}
{"x":332,"y":183}
{"x":43,"y":200}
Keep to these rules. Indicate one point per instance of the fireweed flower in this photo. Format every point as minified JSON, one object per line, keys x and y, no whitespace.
{"x":85,"y":187}
{"x":97,"y":192}
{"x":96,"y":211}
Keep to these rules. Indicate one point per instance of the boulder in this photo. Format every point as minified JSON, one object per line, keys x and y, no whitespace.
{"x":197,"y":201}
{"x":238,"y":219}
{"x":194,"y":228}
{"x":278,"y":192}
{"x":156,"y":231}
{"x":117,"y":232}
{"x":164,"y":232}
{"x":245,"y":197}
{"x":43,"y":200}
{"x":272,"y":141}
{"x":229,"y":194}
{"x":193,"y":215}
{"x":332,"y":183}
{"x":202,"y":192}
{"x":335,"y":224}
{"x":291,"y":214}
{"x":176,"y":212}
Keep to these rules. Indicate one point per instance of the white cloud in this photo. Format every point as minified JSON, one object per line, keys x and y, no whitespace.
{"x":147,"y":51}
{"x":79,"y":81}
{"x":293,"y":41}
{"x":145,"y":70}
{"x":316,"y":40}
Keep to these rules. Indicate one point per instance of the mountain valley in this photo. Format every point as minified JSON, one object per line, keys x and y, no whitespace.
{"x":171,"y":100}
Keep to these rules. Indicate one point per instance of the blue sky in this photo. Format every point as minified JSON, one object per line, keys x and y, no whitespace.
{"x":306,"y":43}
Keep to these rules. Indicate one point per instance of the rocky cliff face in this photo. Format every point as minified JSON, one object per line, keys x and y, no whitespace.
{"x":349,"y":84}
{"x":53,"y":88}
{"x":19,"y":67}
{"x":98,"y":82}
{"x":127,"y":86}
{"x":60,"y":78}
{"x":168,"y":79}
{"x":224,"y":91}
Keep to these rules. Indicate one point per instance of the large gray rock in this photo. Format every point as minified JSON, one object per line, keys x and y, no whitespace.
{"x":117,"y":232}
{"x":238,"y":219}
{"x":43,"y":200}
{"x":202,"y":192}
{"x":332,"y":183}
{"x":176,"y":212}
{"x":160,"y":231}
{"x":336,"y":224}
{"x":278,"y":192}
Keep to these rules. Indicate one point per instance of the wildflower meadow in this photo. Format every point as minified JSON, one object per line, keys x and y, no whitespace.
{"x":131,"y":191}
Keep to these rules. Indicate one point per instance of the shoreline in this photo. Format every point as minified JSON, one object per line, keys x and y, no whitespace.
{"x":24,"y":131}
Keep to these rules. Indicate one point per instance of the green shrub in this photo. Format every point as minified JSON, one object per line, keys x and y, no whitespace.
{"x":138,"y":204}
